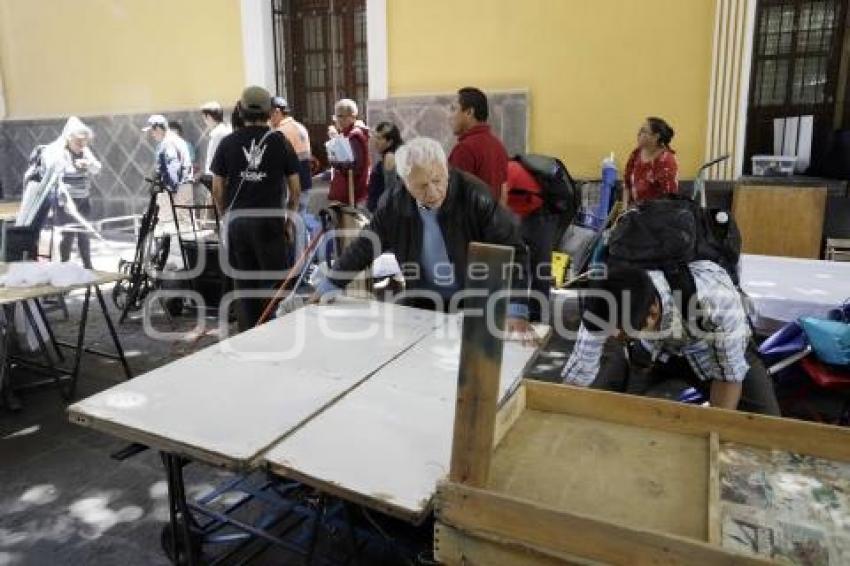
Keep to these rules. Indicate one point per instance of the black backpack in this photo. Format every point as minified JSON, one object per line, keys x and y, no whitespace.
{"x":35,"y":165}
{"x":557,"y":186}
{"x":674,"y":230}
{"x":670,"y":232}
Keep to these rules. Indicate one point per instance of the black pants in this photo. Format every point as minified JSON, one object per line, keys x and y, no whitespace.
{"x":639,"y":376}
{"x":256,"y":244}
{"x":538,"y":233}
{"x":63,"y":218}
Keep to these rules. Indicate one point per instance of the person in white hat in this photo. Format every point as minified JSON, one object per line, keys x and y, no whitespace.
{"x":173,"y":166}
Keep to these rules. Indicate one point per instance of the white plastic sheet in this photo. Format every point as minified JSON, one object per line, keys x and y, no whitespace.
{"x":57,"y":274}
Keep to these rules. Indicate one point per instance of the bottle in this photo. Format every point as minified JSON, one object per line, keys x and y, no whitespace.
{"x":606,"y":193}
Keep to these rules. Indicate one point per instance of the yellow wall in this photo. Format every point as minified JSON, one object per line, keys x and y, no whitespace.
{"x":84,"y":57}
{"x":594,"y":68}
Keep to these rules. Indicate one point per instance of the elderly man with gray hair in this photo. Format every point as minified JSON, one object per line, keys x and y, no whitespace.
{"x":429,"y":227}
{"x":356,"y":172}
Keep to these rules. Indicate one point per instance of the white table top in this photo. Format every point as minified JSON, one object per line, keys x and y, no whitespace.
{"x":784,"y":289}
{"x":225,"y":405}
{"x":388,"y":443}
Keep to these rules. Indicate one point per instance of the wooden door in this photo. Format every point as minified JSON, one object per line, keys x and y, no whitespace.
{"x":325,"y":59}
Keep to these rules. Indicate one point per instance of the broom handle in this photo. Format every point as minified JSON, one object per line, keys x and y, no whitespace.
{"x":273,"y":302}
{"x":351,"y":187}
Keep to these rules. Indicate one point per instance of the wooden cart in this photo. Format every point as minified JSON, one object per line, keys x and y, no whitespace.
{"x":560,"y":474}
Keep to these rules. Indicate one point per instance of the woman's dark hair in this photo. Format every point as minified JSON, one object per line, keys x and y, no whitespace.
{"x":628,"y":290}
{"x":236,"y":119}
{"x":471,"y":97}
{"x":254,"y":116}
{"x":216,"y":114}
{"x":662,"y":129}
{"x":176,"y":126}
{"x":392,"y":134}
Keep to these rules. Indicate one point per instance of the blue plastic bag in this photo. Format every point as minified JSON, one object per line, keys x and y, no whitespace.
{"x":830,"y":339}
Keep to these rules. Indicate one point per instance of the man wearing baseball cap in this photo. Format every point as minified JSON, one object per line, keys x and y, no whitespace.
{"x":296,"y":133}
{"x":250,"y":170}
{"x":173,"y":166}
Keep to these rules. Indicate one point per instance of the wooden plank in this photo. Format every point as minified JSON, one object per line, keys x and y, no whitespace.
{"x":480,"y":362}
{"x":714,"y":518}
{"x":511,"y":410}
{"x":455,"y":547}
{"x":780,"y":220}
{"x":388,"y":443}
{"x":542,"y":527}
{"x":228,"y":403}
{"x":609,"y":471}
{"x":733,"y":426}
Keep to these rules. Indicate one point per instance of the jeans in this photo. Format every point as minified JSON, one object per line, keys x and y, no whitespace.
{"x":638,"y":375}
{"x":83,"y":244}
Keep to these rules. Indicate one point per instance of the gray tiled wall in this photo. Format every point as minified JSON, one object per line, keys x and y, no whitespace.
{"x":428,"y":115}
{"x":125,"y":151}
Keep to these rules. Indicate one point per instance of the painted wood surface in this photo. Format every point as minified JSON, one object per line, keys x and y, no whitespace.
{"x":780,"y":220}
{"x":228,"y":403}
{"x":9,"y":210}
{"x":388,"y":443}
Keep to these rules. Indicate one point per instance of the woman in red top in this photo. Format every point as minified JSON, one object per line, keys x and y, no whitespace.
{"x":652,"y":170}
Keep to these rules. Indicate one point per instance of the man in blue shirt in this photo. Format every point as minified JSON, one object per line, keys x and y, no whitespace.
{"x":173,"y":166}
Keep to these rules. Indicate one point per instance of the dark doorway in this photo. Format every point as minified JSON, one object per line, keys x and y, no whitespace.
{"x":797,"y":70}
{"x":320,"y":57}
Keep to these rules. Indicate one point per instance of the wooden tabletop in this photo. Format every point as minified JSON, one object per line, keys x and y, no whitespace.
{"x":388,"y":443}
{"x":227,"y":404}
{"x":9,"y":210}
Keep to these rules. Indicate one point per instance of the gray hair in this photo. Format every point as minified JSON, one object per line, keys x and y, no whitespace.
{"x":419,"y":152}
{"x":74,"y":128}
{"x":346,"y":104}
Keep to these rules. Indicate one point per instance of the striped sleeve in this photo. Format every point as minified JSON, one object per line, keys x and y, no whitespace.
{"x":730,"y":332}
{"x":583,"y":364}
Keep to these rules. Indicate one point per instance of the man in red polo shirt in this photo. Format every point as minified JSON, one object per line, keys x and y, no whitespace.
{"x":478,"y":151}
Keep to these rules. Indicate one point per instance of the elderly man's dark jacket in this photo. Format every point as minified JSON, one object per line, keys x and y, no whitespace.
{"x":468,"y":214}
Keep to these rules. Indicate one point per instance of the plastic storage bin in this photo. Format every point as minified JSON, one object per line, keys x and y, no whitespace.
{"x":773,"y":165}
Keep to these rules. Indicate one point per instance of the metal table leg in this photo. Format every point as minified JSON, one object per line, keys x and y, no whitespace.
{"x":42,"y":345}
{"x":7,"y":396}
{"x":68,"y":393}
{"x":185,"y":545}
{"x":49,"y":328}
{"x":115,"y":341}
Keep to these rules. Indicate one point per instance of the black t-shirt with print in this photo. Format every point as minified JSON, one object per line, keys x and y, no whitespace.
{"x":273,"y":160}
